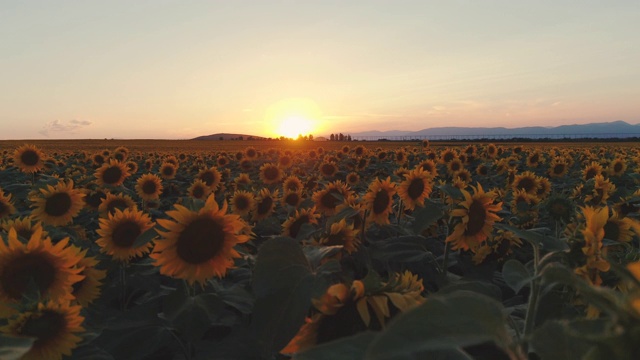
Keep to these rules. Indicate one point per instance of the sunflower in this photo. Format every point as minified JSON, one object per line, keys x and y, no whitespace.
{"x":477,"y":214}
{"x":558,"y":168}
{"x":199,"y":190}
{"x":28,"y":158}
{"x":168,"y":170}
{"x":98,"y":159}
{"x":379,"y":199}
{"x":112,"y":173}
{"x":222,"y":161}
{"x":415,"y":189}
{"x":132,"y":166}
{"x":270,"y":174}
{"x":292,"y":226}
{"x":52,"y":268}
{"x":353,"y":178}
{"x":618,"y":229}
{"x":292,"y":183}
{"x":243,"y":179}
{"x":534,"y":159}
{"x":593,"y":233}
{"x":24,"y":227}
{"x":212,"y":177}
{"x":447,"y":155}
{"x":198,"y":245}
{"x":342,"y":234}
{"x":617,"y":167}
{"x":523,"y":202}
{"x":242,"y":202}
{"x":482,"y":170}
{"x":53,"y":325}
{"x":251,"y":153}
{"x":120,"y":230}
{"x":454,"y":166}
{"x":359,"y":150}
{"x":559,"y":208}
{"x":57,"y":205}
{"x":6,"y":205}
{"x":328,"y":199}
{"x":88,"y":289}
{"x":328,"y":169}
{"x":362,"y":164}
{"x":592,"y":170}
{"x":264,"y":204}
{"x":463,"y":175}
{"x":285,"y":161}
{"x":292,"y":198}
{"x":246,"y":164}
{"x":430,"y":167}
{"x":544,"y":187}
{"x":112,"y":202}
{"x":172,"y":160}
{"x":527,"y":181}
{"x":602,"y":191}
{"x":149,"y":187}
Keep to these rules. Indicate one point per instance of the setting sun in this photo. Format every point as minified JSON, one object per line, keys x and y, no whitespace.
{"x":292,"y":117}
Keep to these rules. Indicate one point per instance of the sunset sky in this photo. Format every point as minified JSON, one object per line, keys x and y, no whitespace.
{"x":180,"y":69}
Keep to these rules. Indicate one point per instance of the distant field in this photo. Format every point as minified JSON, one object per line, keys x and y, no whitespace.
{"x":193,"y":145}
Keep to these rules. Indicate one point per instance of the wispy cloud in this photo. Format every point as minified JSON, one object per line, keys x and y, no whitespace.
{"x":57,"y":126}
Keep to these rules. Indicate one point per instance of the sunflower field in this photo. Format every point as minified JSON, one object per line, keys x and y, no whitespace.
{"x":323,"y":251}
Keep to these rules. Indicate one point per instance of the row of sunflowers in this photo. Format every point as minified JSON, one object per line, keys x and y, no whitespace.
{"x":471,"y":251}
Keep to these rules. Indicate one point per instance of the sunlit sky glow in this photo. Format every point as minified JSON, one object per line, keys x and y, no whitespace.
{"x":180,"y":69}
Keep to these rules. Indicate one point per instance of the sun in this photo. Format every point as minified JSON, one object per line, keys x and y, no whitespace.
{"x":293,"y":126}
{"x":292,"y":117}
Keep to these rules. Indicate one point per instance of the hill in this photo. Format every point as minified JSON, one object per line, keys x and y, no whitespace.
{"x":225,"y":136}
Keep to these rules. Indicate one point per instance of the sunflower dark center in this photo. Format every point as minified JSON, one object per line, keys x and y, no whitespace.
{"x":125,"y":233}
{"x":294,"y":229}
{"x":353,"y":178}
{"x":382,"y":155}
{"x":612,"y":231}
{"x":482,"y":170}
{"x":57,"y":204}
{"x":44,"y":326}
{"x":271,"y":173}
{"x":527,"y":184}
{"x":26,"y":269}
{"x":416,"y":188}
{"x":119,"y":204}
{"x":198,"y":192}
{"x":293,"y":186}
{"x":25,"y":233}
{"x":29,"y":158}
{"x":112,"y":175}
{"x":207,"y":177}
{"x":534,"y":158}
{"x":381,"y":201}
{"x":328,"y":200}
{"x":292,"y":199}
{"x":119,"y":156}
{"x":591,"y":172}
{"x":447,"y":157}
{"x":200,"y":241}
{"x":455,"y":166}
{"x":477,"y":218}
{"x":617,"y":167}
{"x":167,"y":170}
{"x":558,"y":169}
{"x":265,"y":205}
{"x":335,"y":239}
{"x":3,"y":208}
{"x":327,"y":169}
{"x":558,"y":210}
{"x":149,"y":187}
{"x":95,"y":199}
{"x":241,"y":202}
{"x":251,"y":153}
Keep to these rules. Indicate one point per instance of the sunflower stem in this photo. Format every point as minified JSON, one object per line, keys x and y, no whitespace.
{"x":123,"y":286}
{"x":532,"y":307}
{"x":400,"y":211}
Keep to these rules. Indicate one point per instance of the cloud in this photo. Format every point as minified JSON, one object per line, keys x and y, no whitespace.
{"x":61,"y":126}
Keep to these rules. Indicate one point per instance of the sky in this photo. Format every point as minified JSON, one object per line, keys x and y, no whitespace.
{"x":179,"y":69}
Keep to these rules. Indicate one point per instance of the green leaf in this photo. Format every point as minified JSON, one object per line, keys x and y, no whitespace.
{"x":480,"y":287}
{"x":402,"y":249}
{"x":192,"y":316}
{"x":516,"y":275}
{"x":135,"y":343}
{"x":283,"y":284}
{"x":545,"y":242}
{"x":552,"y":341}
{"x":13,"y":348}
{"x":348,"y":348}
{"x":145,"y":237}
{"x":305,"y":232}
{"x":443,"y":322}
{"x":426,"y":216}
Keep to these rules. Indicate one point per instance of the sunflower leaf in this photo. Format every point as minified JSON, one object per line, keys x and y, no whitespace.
{"x":426,"y":216}
{"x":516,"y":275}
{"x":346,"y":348}
{"x":13,"y":348}
{"x":442,"y":323}
{"x":145,"y":237}
{"x":536,"y":238}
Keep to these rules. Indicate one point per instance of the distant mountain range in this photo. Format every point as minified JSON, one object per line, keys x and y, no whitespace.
{"x":606,"y":129}
{"x":225,"y":136}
